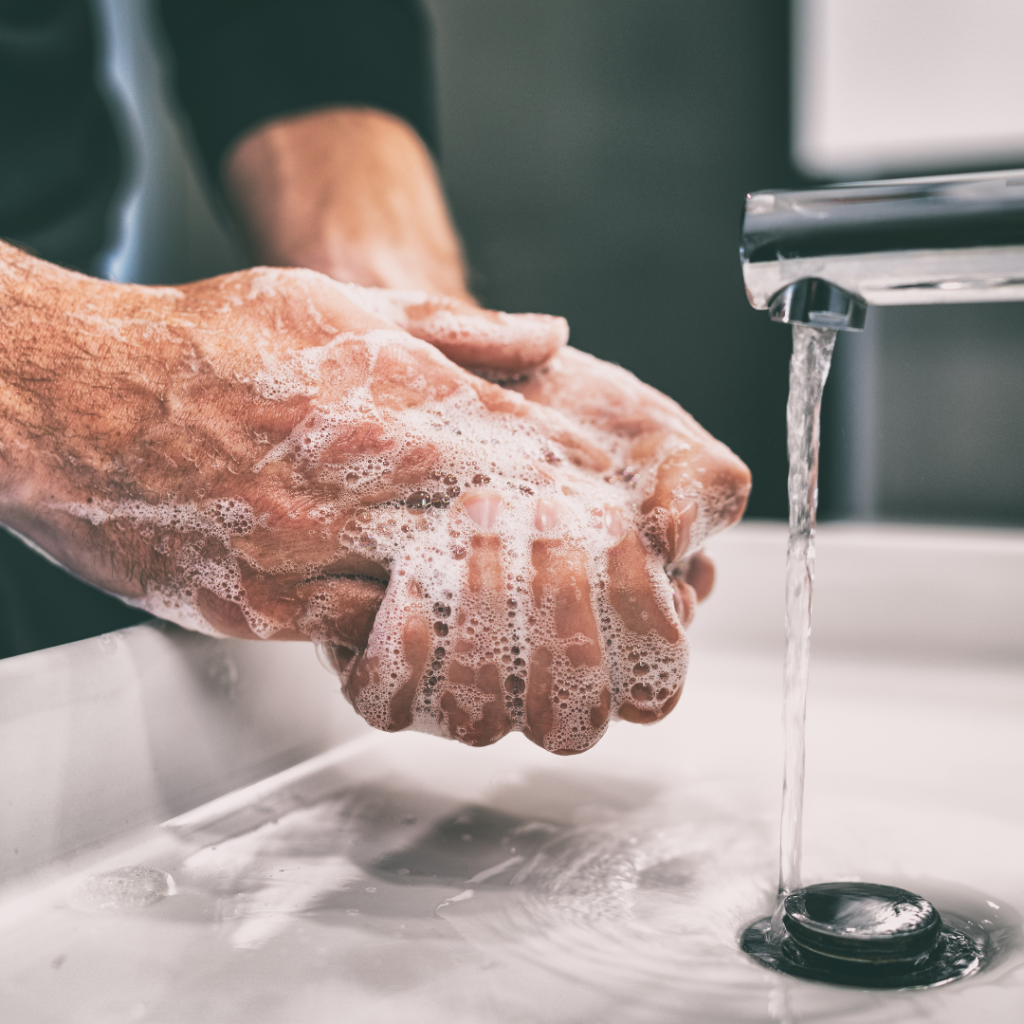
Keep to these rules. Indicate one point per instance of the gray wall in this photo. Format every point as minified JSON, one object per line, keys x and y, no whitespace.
{"x":597,"y":153}
{"x":925,"y":418}
{"x":951,"y":413}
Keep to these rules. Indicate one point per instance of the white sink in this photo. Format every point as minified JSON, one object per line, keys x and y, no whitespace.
{"x":397,"y":878}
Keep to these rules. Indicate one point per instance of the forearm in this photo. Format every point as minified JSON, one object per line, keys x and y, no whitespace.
{"x":73,"y":381}
{"x":350,"y":192}
{"x":34,"y":301}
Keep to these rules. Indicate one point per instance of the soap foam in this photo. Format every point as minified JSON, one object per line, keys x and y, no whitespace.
{"x":463,"y":588}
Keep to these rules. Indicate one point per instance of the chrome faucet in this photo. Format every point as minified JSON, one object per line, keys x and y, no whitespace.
{"x":821,"y":256}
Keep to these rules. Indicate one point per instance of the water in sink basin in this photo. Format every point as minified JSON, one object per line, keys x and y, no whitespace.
{"x":406,"y":878}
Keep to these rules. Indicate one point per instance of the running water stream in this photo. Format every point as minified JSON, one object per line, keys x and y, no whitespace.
{"x":846,"y":933}
{"x":812,"y":356}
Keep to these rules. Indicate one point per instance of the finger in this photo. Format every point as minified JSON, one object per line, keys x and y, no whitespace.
{"x":685,"y":600}
{"x":695,"y":485}
{"x":475,"y":706}
{"x":474,"y":338}
{"x":608,"y":397}
{"x":568,"y":697}
{"x":698,"y":490}
{"x":700,"y":574}
{"x":632,"y":595}
{"x":383,"y":682}
{"x":339,"y":610}
{"x":336,"y":611}
{"x":649,"y":657}
{"x":338,"y":606}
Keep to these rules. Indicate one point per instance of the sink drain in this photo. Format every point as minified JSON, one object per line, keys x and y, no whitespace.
{"x":870,"y":936}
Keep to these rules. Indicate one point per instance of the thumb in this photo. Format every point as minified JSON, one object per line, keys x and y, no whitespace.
{"x":499,"y":344}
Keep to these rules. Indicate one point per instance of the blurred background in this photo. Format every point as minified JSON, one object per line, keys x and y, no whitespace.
{"x":597,"y":153}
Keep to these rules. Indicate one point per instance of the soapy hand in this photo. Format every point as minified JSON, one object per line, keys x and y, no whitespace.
{"x":685,"y":484}
{"x":354,"y":193}
{"x":672,"y":464}
{"x":670,"y":485}
{"x":566,"y":604}
{"x":260,"y":456}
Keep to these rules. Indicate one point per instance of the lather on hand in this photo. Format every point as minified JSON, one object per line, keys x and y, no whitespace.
{"x":256,"y":455}
{"x":354,"y":193}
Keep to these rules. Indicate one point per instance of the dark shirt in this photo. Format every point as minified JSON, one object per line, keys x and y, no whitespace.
{"x":240,"y":62}
{"x":59,"y":158}
{"x":237,"y":63}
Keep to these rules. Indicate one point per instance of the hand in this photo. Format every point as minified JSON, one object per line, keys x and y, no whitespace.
{"x":148,"y":438}
{"x":686,"y":484}
{"x":354,"y":193}
{"x":258,"y":456}
{"x":671,"y":486}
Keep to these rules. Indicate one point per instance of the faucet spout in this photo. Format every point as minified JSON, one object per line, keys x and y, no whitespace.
{"x":820,"y":304}
{"x":911,"y":241}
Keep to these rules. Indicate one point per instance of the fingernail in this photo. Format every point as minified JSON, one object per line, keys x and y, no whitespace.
{"x":547,"y":515}
{"x":684,"y":597}
{"x":483,"y":509}
{"x":612,"y":522}
{"x":683,"y":517}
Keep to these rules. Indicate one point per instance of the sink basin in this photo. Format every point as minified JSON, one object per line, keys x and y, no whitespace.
{"x":294,"y":866}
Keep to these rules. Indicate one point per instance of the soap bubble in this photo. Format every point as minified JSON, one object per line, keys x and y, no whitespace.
{"x":123,"y":889}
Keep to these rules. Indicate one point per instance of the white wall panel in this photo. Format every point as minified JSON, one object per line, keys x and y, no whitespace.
{"x":891,"y":86}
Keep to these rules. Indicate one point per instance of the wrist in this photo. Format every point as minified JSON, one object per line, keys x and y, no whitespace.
{"x":349,"y":192}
